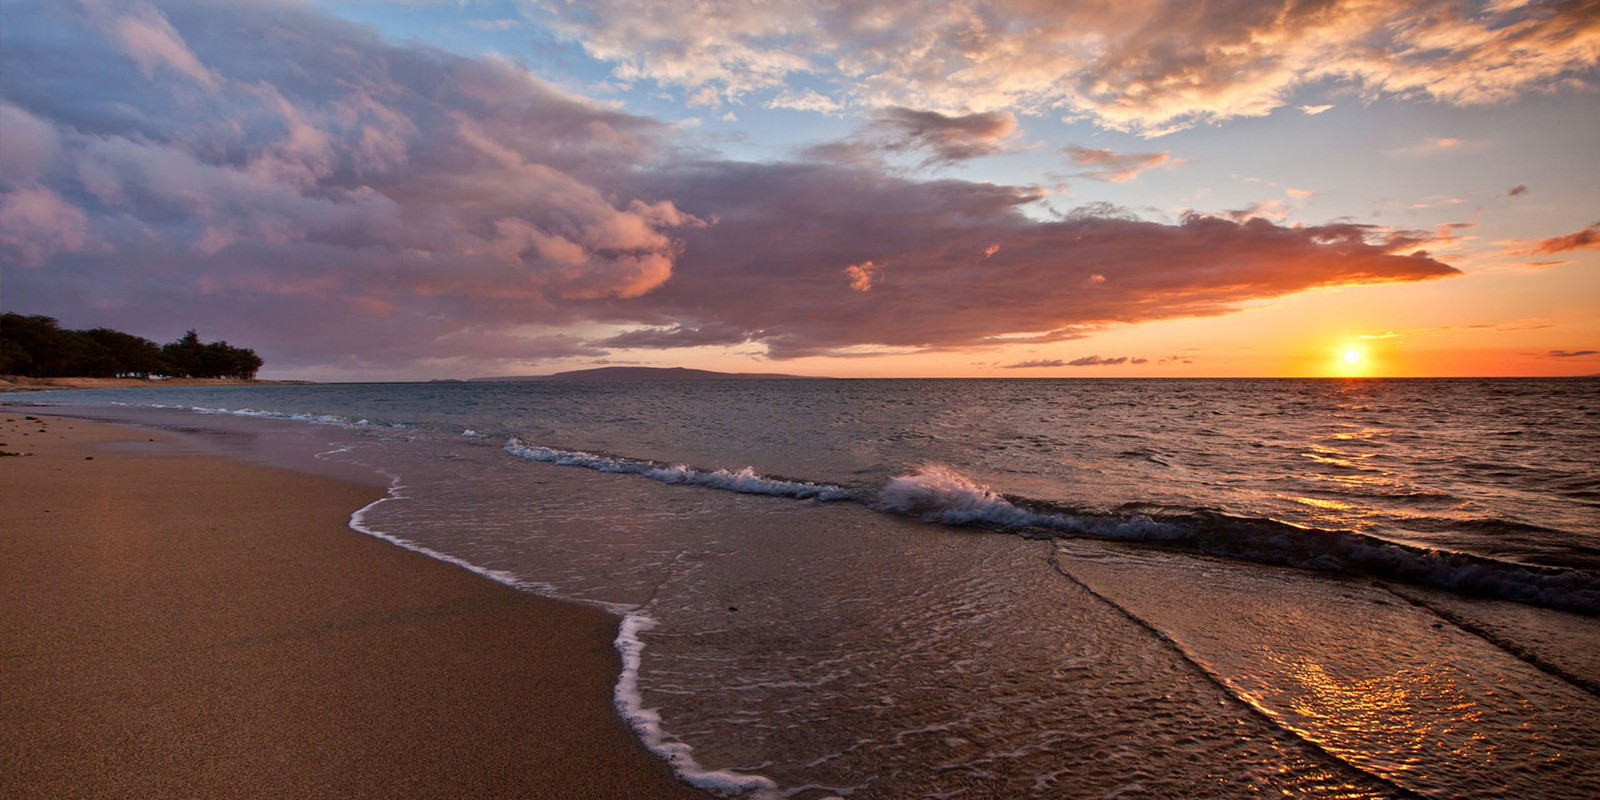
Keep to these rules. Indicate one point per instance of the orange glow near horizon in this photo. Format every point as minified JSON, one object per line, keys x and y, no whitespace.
{"x":1353,"y":361}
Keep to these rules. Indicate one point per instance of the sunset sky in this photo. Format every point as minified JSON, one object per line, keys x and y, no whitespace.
{"x":361,"y":189}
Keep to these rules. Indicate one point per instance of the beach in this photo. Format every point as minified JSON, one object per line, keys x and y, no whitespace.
{"x":182,"y":624}
{"x":826,"y":589}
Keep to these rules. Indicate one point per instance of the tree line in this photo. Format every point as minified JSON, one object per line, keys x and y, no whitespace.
{"x":38,"y":347}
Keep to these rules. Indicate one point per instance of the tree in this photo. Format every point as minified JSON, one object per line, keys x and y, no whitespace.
{"x":185,"y":356}
{"x":37,"y":346}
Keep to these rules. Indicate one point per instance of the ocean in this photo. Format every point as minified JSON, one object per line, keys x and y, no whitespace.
{"x":1017,"y":588}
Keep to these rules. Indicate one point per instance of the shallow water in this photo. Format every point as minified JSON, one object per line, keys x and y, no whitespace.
{"x":1133,"y":616}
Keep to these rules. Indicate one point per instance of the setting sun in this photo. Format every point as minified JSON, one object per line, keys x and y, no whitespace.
{"x":1352,"y":356}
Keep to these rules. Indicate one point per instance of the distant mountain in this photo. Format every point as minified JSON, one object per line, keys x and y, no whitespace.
{"x":644,"y":374}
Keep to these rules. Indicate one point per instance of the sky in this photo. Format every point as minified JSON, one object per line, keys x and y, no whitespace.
{"x":411,"y":190}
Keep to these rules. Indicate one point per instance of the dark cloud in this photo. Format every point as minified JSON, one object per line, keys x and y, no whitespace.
{"x":679,"y":336}
{"x":945,"y":138}
{"x":1585,"y":239}
{"x":775,"y":262}
{"x":1096,"y":361}
{"x":1054,"y":362}
{"x":1571,"y":353}
{"x":240,"y":160}
{"x":1517,"y":191}
{"x":1105,"y":165}
{"x":285,"y":180}
{"x":939,"y":138}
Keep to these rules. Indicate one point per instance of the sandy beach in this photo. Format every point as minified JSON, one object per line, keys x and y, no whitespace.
{"x":182,"y":625}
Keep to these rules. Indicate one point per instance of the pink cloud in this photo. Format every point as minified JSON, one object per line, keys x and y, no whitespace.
{"x":1116,"y":167}
{"x":149,"y":39}
{"x":36,"y":224}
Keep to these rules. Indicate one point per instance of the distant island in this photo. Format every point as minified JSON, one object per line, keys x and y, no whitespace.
{"x":644,"y":374}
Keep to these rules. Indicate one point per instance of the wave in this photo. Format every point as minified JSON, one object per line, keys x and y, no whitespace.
{"x":943,"y":495}
{"x":319,"y":419}
{"x":646,"y":722}
{"x":745,"y":481}
{"x":939,"y":494}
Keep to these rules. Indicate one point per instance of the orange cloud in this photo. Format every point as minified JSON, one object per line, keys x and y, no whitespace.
{"x":1585,"y":239}
{"x":862,"y":275}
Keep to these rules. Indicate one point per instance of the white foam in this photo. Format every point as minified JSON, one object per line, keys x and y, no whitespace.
{"x":940,"y":494}
{"x":646,"y":722}
{"x":746,"y":481}
{"x":472,"y":434}
{"x":320,"y":419}
{"x":358,"y":523}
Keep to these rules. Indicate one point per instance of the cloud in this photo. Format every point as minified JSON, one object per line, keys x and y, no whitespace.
{"x":862,"y":275}
{"x":1116,"y":167}
{"x":1517,"y":191}
{"x":1585,"y":239}
{"x":803,"y":100}
{"x":1434,"y":146}
{"x":677,"y":336}
{"x":449,"y":188}
{"x":770,"y":265}
{"x":341,"y":202}
{"x":145,"y":35}
{"x":1275,"y":210}
{"x":946,"y":138}
{"x":1096,"y":361}
{"x":1572,"y":353}
{"x":941,"y":138}
{"x":1039,"y":364}
{"x":1312,"y":111}
{"x":36,"y":224}
{"x":1148,"y":67}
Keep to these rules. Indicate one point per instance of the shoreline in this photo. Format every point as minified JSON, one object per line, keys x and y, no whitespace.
{"x":193,"y":625}
{"x":17,"y":383}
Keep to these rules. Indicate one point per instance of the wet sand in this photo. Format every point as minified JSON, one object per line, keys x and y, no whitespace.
{"x":181,"y":625}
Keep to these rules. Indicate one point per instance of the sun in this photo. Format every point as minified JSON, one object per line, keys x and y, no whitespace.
{"x":1352,"y":356}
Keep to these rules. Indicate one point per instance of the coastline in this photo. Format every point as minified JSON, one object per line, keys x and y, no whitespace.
{"x":17,"y":383}
{"x":195,"y":626}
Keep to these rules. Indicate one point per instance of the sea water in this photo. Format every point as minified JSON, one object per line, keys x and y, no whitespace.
{"x":1012,"y":588}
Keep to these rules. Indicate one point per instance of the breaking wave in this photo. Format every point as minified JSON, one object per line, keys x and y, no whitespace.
{"x":319,"y":419}
{"x":939,"y":494}
{"x":745,"y":481}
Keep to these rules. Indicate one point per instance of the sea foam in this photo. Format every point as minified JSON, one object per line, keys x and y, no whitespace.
{"x":646,"y":722}
{"x":940,"y":494}
{"x":745,"y":481}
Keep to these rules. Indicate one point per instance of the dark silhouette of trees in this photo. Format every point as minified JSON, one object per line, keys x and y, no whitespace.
{"x":39,"y":347}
